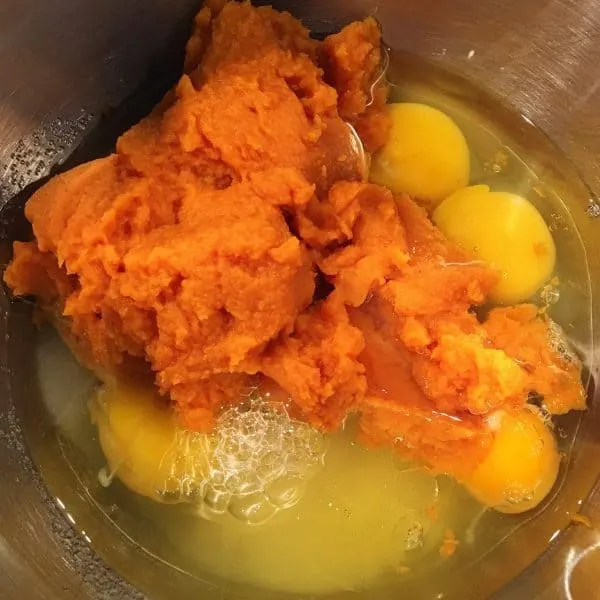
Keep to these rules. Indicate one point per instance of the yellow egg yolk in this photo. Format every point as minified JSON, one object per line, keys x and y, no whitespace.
{"x":426,"y":155}
{"x":504,"y":230}
{"x":521,"y":467}
{"x":142,"y":443}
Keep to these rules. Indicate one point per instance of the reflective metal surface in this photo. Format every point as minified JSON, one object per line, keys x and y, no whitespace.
{"x":63,"y":63}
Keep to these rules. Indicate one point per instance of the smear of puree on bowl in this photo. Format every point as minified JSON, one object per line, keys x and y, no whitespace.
{"x":233,"y":250}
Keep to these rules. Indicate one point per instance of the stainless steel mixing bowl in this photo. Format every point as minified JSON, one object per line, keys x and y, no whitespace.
{"x":64,"y":63}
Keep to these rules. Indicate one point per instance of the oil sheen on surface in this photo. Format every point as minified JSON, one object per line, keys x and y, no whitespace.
{"x":368,"y":523}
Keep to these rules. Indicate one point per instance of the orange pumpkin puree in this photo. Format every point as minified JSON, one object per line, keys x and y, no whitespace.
{"x":197,"y":245}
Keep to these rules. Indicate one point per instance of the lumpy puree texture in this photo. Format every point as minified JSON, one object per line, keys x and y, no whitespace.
{"x":198,"y":245}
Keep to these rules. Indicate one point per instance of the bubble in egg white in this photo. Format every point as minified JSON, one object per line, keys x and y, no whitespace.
{"x":255,"y":463}
{"x":415,"y":537}
{"x":560,"y":343}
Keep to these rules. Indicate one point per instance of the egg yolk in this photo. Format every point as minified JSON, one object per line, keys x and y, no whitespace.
{"x":142,"y":443}
{"x":426,"y":155}
{"x":504,"y":230}
{"x":521,"y":467}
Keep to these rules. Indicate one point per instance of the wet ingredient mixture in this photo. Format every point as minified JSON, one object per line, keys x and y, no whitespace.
{"x":237,"y":252}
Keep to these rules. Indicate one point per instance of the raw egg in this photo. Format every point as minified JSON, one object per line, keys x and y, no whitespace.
{"x":521,"y":467}
{"x":426,"y":155}
{"x":142,"y":443}
{"x":504,"y":230}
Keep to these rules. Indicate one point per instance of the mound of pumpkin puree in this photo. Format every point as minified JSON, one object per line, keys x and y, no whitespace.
{"x":197,"y":244}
